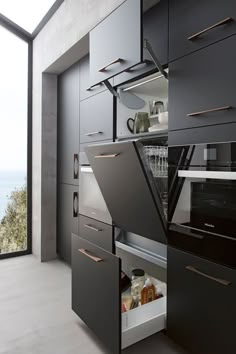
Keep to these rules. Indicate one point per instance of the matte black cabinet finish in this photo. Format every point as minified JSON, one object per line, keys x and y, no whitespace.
{"x":126,"y":186}
{"x":68,"y":126}
{"x":155,"y":30}
{"x":116,"y":43}
{"x":201,"y":304}
{"x":96,"y":118}
{"x":202,"y":87}
{"x":196,"y":24}
{"x":67,"y":219}
{"x":85,"y":89}
{"x":96,"y":291}
{"x":96,"y":232}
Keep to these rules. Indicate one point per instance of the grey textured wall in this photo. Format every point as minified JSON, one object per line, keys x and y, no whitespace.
{"x":60,"y":43}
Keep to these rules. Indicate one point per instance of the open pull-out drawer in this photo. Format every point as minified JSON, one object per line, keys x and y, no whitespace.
{"x":117,"y":43}
{"x":96,"y":299}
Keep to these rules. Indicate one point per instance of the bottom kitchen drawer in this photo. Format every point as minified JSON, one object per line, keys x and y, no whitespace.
{"x":96,"y":232}
{"x":201,"y":304}
{"x":97,"y":298}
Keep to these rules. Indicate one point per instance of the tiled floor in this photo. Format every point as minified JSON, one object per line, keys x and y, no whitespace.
{"x":36,"y":318}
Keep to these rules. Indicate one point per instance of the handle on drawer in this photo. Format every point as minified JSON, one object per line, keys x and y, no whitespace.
{"x":209,"y":111}
{"x":93,"y":133}
{"x":108,"y":156}
{"x":76,"y":166}
{"x":75,"y":204}
{"x":95,"y":259}
{"x":221,"y":23}
{"x":92,"y":228}
{"x":90,"y":88}
{"x":218,"y":280}
{"x":117,"y":60}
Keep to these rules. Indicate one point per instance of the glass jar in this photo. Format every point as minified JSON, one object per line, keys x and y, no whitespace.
{"x":138,"y":279}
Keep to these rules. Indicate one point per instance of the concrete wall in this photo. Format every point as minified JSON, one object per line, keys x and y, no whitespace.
{"x":61,"y":42}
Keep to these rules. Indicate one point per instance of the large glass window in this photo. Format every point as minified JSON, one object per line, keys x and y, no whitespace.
{"x":13,"y":143}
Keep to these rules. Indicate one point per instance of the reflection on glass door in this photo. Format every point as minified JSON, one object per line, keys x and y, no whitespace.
{"x":13,"y":143}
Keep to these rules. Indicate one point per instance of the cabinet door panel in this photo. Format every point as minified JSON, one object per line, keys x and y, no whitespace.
{"x":96,"y":291}
{"x":67,"y":219}
{"x":207,"y":20}
{"x":202,"y":86}
{"x":116,"y":43}
{"x":68,"y":126}
{"x":201,"y":304}
{"x":96,"y":118}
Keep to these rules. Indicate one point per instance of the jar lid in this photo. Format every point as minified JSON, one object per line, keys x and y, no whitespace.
{"x":138,"y":272}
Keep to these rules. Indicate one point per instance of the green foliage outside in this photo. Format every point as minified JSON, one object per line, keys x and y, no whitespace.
{"x":13,"y":226}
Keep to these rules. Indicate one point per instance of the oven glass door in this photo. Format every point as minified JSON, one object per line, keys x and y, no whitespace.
{"x":91,"y":201}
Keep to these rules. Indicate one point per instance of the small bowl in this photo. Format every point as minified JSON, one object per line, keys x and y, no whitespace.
{"x":163,"y":118}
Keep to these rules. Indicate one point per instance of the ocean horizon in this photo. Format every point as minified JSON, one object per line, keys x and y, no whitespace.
{"x":9,"y":181}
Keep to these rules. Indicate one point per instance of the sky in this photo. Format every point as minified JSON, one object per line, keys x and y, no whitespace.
{"x":13,"y":81}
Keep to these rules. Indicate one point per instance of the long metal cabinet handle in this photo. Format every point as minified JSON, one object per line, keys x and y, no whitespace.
{"x":75,"y":204}
{"x":117,"y":60}
{"x":220,"y":23}
{"x":95,"y":259}
{"x":92,"y":228}
{"x":90,"y":88}
{"x":106,"y":156}
{"x":76,"y":166}
{"x":218,"y":280}
{"x":209,"y":111}
{"x":93,"y":133}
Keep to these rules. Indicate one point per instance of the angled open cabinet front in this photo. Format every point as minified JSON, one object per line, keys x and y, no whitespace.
{"x":134,"y":184}
{"x":98,"y":297}
{"x":120,"y":42}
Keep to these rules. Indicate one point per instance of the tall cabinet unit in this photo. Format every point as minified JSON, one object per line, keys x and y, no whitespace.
{"x":68,"y":160}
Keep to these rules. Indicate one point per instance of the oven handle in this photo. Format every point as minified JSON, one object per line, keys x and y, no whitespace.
{"x":86,"y":169}
{"x":226,"y":175}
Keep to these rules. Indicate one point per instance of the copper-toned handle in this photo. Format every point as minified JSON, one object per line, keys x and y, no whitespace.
{"x":92,"y":228}
{"x":95,"y":259}
{"x":106,"y":156}
{"x":221,"y":23}
{"x":118,"y":60}
{"x":218,"y":280}
{"x":209,"y":111}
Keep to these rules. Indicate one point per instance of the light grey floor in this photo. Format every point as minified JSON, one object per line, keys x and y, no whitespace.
{"x":36,"y":318}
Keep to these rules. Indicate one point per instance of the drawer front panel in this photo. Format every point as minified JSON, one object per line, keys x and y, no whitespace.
{"x":96,"y":118}
{"x":203,"y":23}
{"x":96,"y":232}
{"x":95,"y":291}
{"x":116,"y":43}
{"x":201,"y":304}
{"x":201,"y":91}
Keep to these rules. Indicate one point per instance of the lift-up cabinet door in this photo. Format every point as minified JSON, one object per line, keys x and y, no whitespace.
{"x":116,"y":43}
{"x":128,"y":188}
{"x":96,"y":292}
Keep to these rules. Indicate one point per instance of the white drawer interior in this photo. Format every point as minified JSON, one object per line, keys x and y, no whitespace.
{"x":143,"y":321}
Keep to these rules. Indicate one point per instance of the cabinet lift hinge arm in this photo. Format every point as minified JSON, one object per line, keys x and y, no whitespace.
{"x":148,"y":47}
{"x":111,"y":88}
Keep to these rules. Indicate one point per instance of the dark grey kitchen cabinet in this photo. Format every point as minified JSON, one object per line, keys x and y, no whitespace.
{"x":202,"y":86}
{"x":196,"y":24}
{"x":155,"y":30}
{"x":201,"y":304}
{"x":96,"y":291}
{"x":67,"y":219}
{"x":68,"y":126}
{"x":115,"y":44}
{"x":96,"y":118}
{"x":85,"y":89}
{"x":97,"y":232}
{"x":128,"y":188}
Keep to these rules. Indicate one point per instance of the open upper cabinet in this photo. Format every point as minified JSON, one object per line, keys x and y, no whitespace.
{"x":130,"y":39}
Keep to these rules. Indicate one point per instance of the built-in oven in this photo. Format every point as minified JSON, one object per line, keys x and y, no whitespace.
{"x":91,"y":201}
{"x":202,"y":200}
